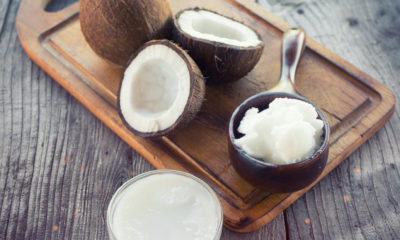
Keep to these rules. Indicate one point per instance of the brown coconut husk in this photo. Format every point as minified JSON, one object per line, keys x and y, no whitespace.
{"x":115,"y":29}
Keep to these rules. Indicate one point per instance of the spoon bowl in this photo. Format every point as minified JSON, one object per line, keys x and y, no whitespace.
{"x":279,"y":177}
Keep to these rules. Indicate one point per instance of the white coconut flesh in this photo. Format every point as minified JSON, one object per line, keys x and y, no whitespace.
{"x":213,"y":27}
{"x":155,"y":89}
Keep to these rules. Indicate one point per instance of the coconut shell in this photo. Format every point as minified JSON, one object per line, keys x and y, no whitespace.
{"x":219,"y":62}
{"x":115,"y":29}
{"x":196,"y":94}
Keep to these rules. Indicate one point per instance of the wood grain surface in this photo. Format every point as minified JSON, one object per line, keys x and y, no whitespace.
{"x":59,"y":165}
{"x":355,"y":104}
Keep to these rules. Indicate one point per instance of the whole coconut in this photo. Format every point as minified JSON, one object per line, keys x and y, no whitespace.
{"x":115,"y":29}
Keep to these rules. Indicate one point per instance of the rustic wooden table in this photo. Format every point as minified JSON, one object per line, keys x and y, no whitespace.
{"x":59,"y":165}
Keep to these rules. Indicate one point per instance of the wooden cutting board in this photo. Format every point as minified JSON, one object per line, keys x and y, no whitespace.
{"x":355,"y":104}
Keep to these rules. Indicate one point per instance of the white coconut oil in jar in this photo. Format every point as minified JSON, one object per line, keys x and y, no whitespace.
{"x":165,"y":204}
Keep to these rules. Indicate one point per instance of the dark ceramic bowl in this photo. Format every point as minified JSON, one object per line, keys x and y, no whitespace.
{"x":268,"y":176}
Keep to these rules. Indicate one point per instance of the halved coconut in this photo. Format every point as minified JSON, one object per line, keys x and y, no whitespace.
{"x":225,"y":49}
{"x":161,"y":88}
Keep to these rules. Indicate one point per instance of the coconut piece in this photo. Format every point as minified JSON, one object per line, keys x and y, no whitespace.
{"x":115,"y":29}
{"x":160,"y":88}
{"x":225,"y":49}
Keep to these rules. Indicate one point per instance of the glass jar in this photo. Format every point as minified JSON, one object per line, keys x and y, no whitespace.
{"x":135,"y":182}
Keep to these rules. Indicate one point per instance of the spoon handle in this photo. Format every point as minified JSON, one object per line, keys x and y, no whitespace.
{"x":294,"y":42}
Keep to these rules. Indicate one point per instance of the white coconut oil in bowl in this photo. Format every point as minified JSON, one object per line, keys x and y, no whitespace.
{"x":280,"y":146}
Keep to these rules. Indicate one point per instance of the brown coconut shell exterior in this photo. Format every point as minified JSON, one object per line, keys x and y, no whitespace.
{"x":219,"y":62}
{"x":196,"y":95}
{"x":115,"y":29}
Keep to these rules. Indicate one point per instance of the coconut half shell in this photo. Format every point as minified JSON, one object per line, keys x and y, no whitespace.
{"x":161,"y":88}
{"x":225,"y":49}
{"x":115,"y":29}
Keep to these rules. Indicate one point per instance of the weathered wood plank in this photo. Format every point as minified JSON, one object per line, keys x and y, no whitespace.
{"x":59,"y":165}
{"x":360,"y":199}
